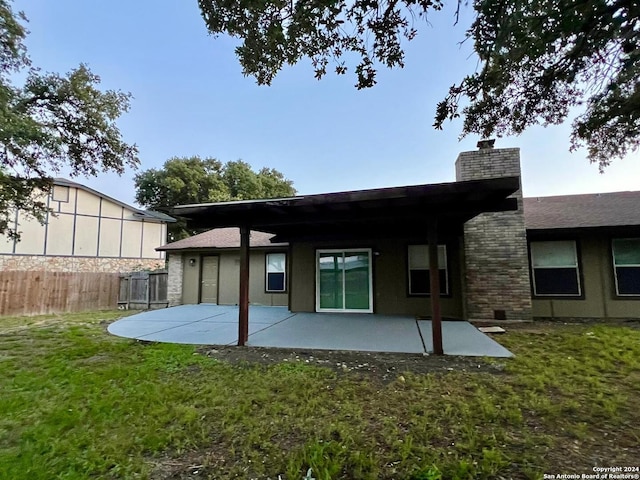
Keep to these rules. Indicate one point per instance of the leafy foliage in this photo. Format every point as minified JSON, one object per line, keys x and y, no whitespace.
{"x":541,"y":59}
{"x":185,"y":180}
{"x":538,"y":60}
{"x":278,"y":32}
{"x":48,"y":122}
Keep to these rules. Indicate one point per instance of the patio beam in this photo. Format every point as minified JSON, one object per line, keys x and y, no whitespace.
{"x":434,"y":277}
{"x":243,"y":312}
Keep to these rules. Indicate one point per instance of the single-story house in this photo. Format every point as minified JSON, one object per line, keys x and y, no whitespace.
{"x":499,"y":256}
{"x":449,"y":249}
{"x":87,"y":231}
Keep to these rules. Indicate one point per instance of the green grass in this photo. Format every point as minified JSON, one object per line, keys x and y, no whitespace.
{"x":78,"y":403}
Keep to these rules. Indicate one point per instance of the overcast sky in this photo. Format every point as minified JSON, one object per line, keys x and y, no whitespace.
{"x":190,"y":98}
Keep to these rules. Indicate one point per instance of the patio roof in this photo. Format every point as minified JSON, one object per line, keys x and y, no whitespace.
{"x":394,"y":211}
{"x":428,"y":210}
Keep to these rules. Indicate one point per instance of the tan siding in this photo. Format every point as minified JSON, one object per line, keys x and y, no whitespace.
{"x":68,"y":207}
{"x":6,"y":244}
{"x":302,"y":278}
{"x":60,"y":235}
{"x":389,"y":281}
{"x":109,"y":238}
{"x":190,"y":279}
{"x":131,"y":237}
{"x":229,"y":278}
{"x":88,"y":203}
{"x":151,"y":235}
{"x":31,"y":236}
{"x":86,"y":236}
{"x":163,"y":239}
{"x":110,"y":209}
{"x":130,"y":215}
{"x":598,"y":286}
{"x":257,"y":283}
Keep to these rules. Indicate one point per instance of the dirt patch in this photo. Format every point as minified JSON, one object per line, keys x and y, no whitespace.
{"x":384,"y":367}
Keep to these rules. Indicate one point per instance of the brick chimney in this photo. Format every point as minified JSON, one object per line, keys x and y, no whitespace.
{"x":495,"y":244}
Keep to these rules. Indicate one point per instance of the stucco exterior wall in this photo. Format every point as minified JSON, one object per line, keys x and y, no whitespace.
{"x":599,"y":298}
{"x":86,"y":225}
{"x":229,"y":277}
{"x":77,"y":264}
{"x":496,"y":261}
{"x":390,"y":278}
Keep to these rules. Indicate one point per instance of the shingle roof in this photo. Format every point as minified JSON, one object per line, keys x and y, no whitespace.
{"x":582,"y":211}
{"x":222,"y":238}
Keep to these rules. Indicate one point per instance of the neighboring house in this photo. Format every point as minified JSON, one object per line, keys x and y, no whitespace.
{"x":88,"y":232}
{"x":366,"y":251}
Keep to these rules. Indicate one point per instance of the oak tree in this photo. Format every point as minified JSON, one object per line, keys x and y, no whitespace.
{"x":186,"y":180}
{"x":48,"y":122}
{"x":540,"y":61}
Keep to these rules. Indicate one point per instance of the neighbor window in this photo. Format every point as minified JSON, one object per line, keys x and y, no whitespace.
{"x":276,"y":268}
{"x":555,"y":268}
{"x":419,"y":279}
{"x":626,"y":265}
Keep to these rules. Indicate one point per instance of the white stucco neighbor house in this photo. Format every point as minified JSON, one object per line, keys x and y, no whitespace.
{"x":88,"y":231}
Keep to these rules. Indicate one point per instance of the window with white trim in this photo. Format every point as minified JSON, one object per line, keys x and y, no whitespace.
{"x":276,"y":264}
{"x":419,"y":279}
{"x":626,"y":265}
{"x":554,"y":267}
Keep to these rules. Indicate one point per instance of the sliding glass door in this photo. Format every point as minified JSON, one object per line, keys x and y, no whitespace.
{"x":343,"y":281}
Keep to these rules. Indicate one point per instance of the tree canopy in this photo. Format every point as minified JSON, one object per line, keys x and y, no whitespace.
{"x":185,"y":180}
{"x":50,"y":121}
{"x":540,"y":61}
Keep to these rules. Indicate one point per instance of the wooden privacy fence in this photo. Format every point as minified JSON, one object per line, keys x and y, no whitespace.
{"x":33,"y":293}
{"x":143,"y":290}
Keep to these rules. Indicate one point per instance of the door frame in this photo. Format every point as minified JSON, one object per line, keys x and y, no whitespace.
{"x":317,"y":276}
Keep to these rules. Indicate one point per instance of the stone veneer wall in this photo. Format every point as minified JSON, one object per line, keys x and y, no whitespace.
{"x":77,"y":264}
{"x":174,"y":287}
{"x":495,"y":244}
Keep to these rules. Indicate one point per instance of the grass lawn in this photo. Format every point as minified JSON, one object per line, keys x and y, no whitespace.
{"x":78,"y":403}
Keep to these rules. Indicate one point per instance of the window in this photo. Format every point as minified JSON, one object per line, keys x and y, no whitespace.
{"x":343,"y":280}
{"x":555,"y":268}
{"x":626,"y":265}
{"x":419,"y":279}
{"x":60,"y":193}
{"x":276,"y":268}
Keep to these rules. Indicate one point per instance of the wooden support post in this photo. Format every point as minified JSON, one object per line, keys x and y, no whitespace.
{"x":434,"y":276}
{"x":243,"y":316}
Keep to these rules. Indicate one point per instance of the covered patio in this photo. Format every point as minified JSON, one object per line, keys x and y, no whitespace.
{"x":429,"y":213}
{"x":277,"y":327}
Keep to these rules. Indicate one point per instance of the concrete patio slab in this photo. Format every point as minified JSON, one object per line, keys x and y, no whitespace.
{"x":138,"y":328}
{"x":329,"y":331}
{"x":277,"y":327}
{"x":462,"y":338}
